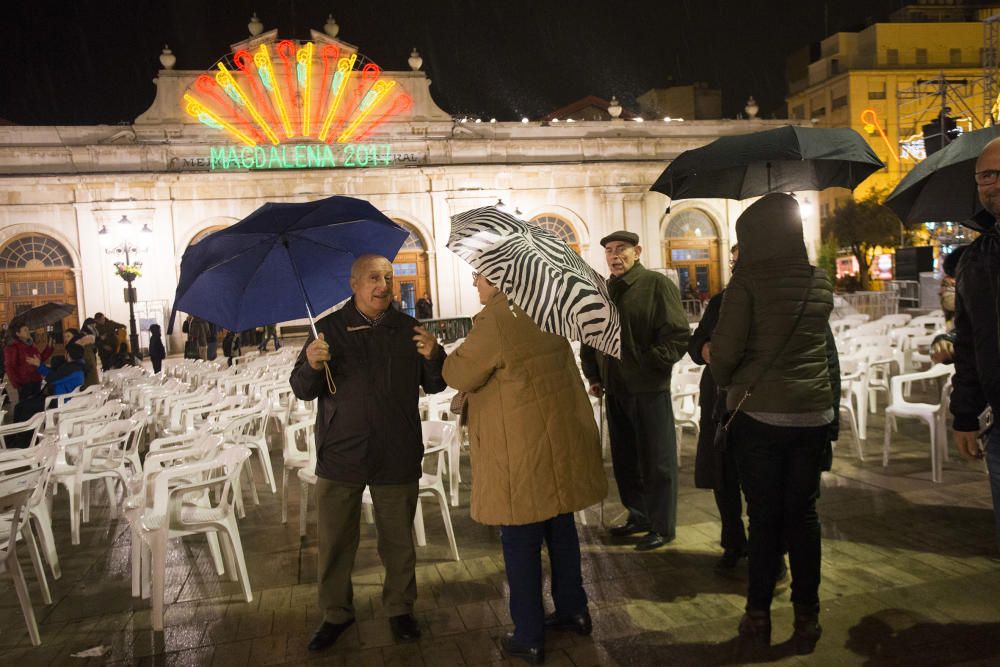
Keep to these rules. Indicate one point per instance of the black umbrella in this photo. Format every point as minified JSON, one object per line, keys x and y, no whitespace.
{"x":780,"y":160}
{"x":44,"y":315}
{"x":942,"y":188}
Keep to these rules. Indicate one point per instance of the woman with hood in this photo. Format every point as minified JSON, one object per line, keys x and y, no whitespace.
{"x":536,"y":459}
{"x":770,"y":352}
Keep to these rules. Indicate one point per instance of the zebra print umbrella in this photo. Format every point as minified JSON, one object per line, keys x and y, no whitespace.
{"x":539,"y":273}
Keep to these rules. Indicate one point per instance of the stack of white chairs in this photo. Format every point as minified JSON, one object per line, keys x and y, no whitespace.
{"x":105,"y":451}
{"x":23,"y":476}
{"x":295,"y":457}
{"x":191,"y":497}
{"x":934,"y":415}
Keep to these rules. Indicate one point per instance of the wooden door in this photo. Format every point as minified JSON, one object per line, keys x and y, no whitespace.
{"x":697,"y":264}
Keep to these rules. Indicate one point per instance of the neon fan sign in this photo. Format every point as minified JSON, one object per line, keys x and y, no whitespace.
{"x":296,"y":93}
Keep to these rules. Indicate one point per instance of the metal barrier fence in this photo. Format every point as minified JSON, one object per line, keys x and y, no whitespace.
{"x":448,"y":330}
{"x":873,"y":304}
{"x":908,"y":291}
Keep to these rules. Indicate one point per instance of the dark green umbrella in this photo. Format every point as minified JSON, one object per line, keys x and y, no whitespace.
{"x":781,"y":160}
{"x":942,"y":188}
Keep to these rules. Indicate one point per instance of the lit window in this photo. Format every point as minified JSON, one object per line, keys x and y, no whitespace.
{"x":39,"y":251}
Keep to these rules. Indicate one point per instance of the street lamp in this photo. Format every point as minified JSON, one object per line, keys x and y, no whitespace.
{"x":124,"y":242}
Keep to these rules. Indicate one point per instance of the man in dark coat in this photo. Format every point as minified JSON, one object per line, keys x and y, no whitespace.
{"x":107,"y":339}
{"x":977,"y":331}
{"x":425,"y":308}
{"x":368,"y":433}
{"x":655,"y":333}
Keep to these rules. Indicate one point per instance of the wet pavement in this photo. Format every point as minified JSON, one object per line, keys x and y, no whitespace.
{"x":910,"y":576}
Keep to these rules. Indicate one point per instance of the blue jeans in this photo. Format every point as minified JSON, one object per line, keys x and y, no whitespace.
{"x":522,"y":550}
{"x":993,"y":465}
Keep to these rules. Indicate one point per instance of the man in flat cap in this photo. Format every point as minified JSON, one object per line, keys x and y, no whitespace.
{"x":655,"y":333}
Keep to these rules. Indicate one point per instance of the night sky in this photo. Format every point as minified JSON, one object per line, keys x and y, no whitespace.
{"x":92,"y":62}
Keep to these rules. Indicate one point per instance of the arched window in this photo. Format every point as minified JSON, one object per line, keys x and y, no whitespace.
{"x":690,"y":223}
{"x":205,"y":232}
{"x":36,"y":269}
{"x":413,"y":242}
{"x":560,"y":227}
{"x":34,"y":252}
{"x":691,"y":247}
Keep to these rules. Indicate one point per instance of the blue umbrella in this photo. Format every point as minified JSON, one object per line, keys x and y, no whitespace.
{"x":282,"y":262}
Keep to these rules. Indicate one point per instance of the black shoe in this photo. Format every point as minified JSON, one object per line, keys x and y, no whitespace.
{"x":630,"y":527}
{"x":327,"y":634}
{"x":729,"y":560}
{"x":579,"y":623}
{"x":755,"y":629}
{"x":404,"y":628}
{"x":651,"y":540}
{"x":807,"y":628}
{"x":532,"y":656}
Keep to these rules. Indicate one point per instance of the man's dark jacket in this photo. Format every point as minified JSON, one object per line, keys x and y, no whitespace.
{"x":655,"y":333}
{"x":977,"y":341}
{"x":369,"y":431}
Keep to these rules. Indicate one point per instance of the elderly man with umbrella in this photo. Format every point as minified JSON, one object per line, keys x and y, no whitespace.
{"x":364,"y":363}
{"x":368,"y":433}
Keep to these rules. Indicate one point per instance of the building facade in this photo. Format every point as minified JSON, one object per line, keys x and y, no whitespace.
{"x":196,"y":162}
{"x":892,"y":79}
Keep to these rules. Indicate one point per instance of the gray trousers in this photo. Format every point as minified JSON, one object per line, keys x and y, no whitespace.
{"x":339,"y":518}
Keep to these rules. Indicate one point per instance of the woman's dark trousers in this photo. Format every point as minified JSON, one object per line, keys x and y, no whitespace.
{"x":522,"y":555}
{"x":779,"y":469}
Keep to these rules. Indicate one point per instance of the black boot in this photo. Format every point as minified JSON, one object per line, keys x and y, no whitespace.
{"x":807,"y":628}
{"x":755,"y":629}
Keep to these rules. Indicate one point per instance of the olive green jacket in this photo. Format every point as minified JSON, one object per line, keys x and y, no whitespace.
{"x":655,"y":333}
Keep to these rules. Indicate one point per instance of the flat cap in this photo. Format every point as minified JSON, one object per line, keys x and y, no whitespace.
{"x":621,"y":235}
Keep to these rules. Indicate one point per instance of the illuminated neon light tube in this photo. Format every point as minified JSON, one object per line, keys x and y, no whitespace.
{"x":196,"y":109}
{"x":340,"y":80}
{"x":224,"y":77}
{"x":262,"y":59}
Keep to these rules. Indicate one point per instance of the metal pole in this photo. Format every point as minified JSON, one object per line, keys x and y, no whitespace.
{"x":133,"y":335}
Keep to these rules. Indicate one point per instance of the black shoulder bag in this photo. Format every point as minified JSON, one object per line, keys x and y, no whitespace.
{"x":721,"y":440}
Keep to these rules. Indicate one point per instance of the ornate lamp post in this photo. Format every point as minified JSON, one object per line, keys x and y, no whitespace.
{"x":124,"y":243}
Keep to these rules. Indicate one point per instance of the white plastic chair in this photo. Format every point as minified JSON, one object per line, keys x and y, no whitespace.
{"x":32,"y":426}
{"x":109,"y":453}
{"x":896,"y":320}
{"x":39,"y":506}
{"x":295,"y":452}
{"x":437,"y":437}
{"x":934,"y":415}
{"x":851,"y":374}
{"x":187,"y":508}
{"x":16,"y":491}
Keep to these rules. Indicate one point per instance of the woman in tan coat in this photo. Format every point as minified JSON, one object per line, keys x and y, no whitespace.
{"x":536,"y":459}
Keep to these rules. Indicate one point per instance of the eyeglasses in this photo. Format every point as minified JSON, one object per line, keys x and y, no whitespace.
{"x":987,"y":176}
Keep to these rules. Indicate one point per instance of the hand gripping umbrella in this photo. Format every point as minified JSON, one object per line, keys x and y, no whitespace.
{"x":282,"y":262}
{"x":942,"y":188}
{"x":539,"y":273}
{"x":781,"y":160}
